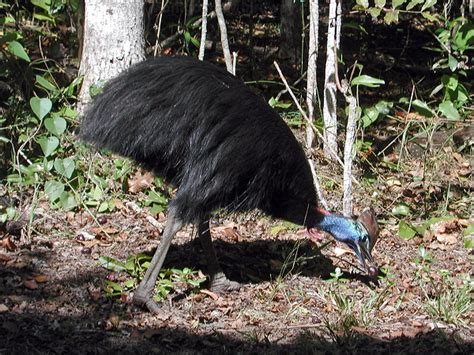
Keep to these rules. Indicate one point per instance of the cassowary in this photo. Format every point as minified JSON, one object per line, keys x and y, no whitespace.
{"x":221,"y":145}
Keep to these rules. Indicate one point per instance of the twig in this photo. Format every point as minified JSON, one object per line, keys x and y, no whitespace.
{"x":234,"y":62}
{"x":202,"y":46}
{"x":319,"y":191}
{"x":224,"y":39}
{"x":158,"y":30}
{"x":320,"y":136}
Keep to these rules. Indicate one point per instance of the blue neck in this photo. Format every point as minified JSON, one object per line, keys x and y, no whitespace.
{"x":335,"y":225}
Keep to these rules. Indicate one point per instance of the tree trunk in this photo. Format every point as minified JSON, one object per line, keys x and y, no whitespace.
{"x":311,"y":87}
{"x":113,"y":40}
{"x":290,"y":31}
{"x":330,"y":103}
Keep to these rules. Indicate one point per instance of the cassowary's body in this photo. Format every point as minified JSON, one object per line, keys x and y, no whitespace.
{"x":219,"y":143}
{"x":208,"y":134}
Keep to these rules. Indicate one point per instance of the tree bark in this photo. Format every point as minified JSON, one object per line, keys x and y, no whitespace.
{"x":290,"y":31}
{"x":113,"y":40}
{"x":311,"y":87}
{"x":224,"y":38}
{"x":202,"y":46}
{"x":330,"y":102}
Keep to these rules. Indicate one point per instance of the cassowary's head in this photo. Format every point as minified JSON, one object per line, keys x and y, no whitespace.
{"x":358,"y":234}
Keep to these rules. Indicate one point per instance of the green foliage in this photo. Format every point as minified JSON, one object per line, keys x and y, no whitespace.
{"x":135,"y":267}
{"x":390,"y":12}
{"x":446,"y":298}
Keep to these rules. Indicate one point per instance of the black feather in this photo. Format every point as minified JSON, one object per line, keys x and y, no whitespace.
{"x":208,"y":134}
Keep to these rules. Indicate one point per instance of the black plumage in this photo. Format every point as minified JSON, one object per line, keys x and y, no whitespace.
{"x":220,"y":144}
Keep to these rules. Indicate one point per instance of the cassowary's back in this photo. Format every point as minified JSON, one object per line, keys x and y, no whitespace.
{"x":207,"y":133}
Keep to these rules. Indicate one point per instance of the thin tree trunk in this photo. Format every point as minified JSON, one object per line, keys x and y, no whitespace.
{"x":351,"y":129}
{"x":330,"y":103}
{"x":202,"y":46}
{"x":311,"y":87}
{"x":113,"y":40}
{"x":224,"y":39}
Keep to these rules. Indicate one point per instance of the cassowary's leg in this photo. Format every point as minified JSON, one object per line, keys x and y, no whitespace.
{"x":144,"y":294}
{"x":219,"y":281}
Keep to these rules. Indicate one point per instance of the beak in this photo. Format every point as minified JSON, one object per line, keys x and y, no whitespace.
{"x":362,"y":251}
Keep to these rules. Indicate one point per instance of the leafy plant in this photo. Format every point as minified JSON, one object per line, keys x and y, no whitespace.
{"x":135,"y":267}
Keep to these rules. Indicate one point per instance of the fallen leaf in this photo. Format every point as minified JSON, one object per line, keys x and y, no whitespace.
{"x":41,"y":278}
{"x":340,"y":251}
{"x":104,"y":230}
{"x":5,"y":258}
{"x":3,"y":308}
{"x":85,"y":235}
{"x":211,"y":294}
{"x":30,"y":284}
{"x":140,"y":181}
{"x":7,"y":244}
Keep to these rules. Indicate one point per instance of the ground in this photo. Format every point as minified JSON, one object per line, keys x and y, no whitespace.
{"x":53,"y":295}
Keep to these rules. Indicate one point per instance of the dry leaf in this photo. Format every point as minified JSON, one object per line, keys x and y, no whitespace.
{"x":41,"y":278}
{"x":211,"y":294}
{"x":104,"y":230}
{"x":140,"y":181}
{"x":7,"y":244}
{"x":3,"y":308}
{"x":340,"y":251}
{"x":30,"y":284}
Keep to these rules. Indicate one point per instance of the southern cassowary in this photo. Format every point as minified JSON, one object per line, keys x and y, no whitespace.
{"x":221,"y":145}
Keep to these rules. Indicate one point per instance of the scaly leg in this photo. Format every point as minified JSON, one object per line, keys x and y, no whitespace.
{"x":144,"y":294}
{"x":219,"y":281}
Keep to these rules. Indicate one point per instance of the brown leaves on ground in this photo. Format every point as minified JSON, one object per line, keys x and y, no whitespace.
{"x":140,"y":181}
{"x":443,"y":234}
{"x":7,"y":243}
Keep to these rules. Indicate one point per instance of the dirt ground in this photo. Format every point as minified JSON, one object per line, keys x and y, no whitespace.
{"x":52,"y":297}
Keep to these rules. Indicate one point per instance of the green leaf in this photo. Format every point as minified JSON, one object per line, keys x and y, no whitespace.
{"x":111,"y":264}
{"x":67,"y":201}
{"x":48,"y":145}
{"x":397,"y":3}
{"x":53,"y":189}
{"x":44,"y":83}
{"x":401,"y":210}
{"x":391,"y":17}
{"x":464,"y":37}
{"x":380,"y":3}
{"x":413,"y":3}
{"x":104,"y":206}
{"x":428,"y":4}
{"x":44,"y":4}
{"x":406,"y":231}
{"x":65,"y":167}
{"x":55,"y":125}
{"x":469,"y":237}
{"x":363,"y":3}
{"x":452,"y":62}
{"x":469,"y":242}
{"x":429,"y":16}
{"x":374,"y":12}
{"x":17,"y":50}
{"x":41,"y":107}
{"x":367,"y":80}
{"x":42,"y":17}
{"x":469,"y":230}
{"x":422,"y":108}
{"x":448,"y":110}
{"x":278,"y":104}
{"x":371,"y":114}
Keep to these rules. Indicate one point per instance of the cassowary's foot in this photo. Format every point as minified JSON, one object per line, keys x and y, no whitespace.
{"x":143,"y":298}
{"x":220,"y":283}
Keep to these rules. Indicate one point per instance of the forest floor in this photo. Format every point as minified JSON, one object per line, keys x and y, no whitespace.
{"x":53,"y":297}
